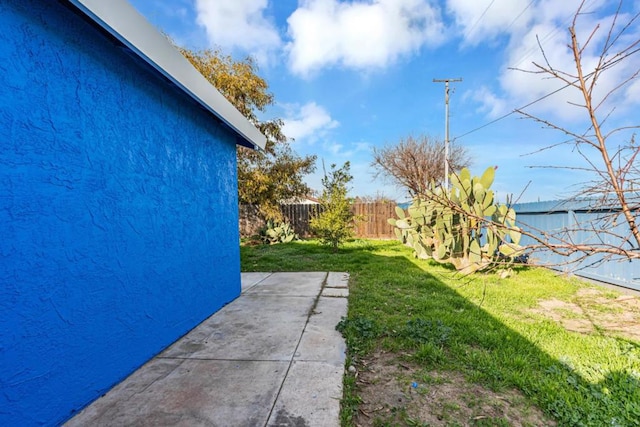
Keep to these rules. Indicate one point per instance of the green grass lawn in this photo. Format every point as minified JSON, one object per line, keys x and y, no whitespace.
{"x":489,"y":330}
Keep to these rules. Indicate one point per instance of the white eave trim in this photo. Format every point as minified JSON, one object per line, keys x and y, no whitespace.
{"x":124,"y":22}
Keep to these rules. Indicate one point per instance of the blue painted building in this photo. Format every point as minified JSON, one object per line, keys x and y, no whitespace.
{"x":118,"y":201}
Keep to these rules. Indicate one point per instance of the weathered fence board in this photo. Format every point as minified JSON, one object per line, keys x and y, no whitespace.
{"x":373,"y":223}
{"x":298,"y":216}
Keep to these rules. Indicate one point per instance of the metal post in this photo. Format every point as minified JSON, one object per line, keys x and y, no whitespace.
{"x":446,"y":126}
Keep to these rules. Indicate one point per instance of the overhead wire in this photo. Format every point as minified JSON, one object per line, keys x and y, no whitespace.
{"x":512,"y":112}
{"x":473,"y":27}
{"x":528,"y":53}
{"x":550,"y":35}
{"x":587,"y":76}
{"x":520,"y":14}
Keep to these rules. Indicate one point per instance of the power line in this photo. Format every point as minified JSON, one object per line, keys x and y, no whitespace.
{"x":521,"y":13}
{"x":512,"y":112}
{"x":550,"y":35}
{"x":587,"y":76}
{"x":473,"y":27}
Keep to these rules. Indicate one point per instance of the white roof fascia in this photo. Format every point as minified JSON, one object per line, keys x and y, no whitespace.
{"x":124,"y":22}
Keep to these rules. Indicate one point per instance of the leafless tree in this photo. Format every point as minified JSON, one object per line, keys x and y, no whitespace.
{"x":416,"y":162}
{"x":609,"y":152}
{"x":378,"y":197}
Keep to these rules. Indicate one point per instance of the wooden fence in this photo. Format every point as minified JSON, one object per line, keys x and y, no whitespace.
{"x":373,"y":223}
{"x":298,"y":216}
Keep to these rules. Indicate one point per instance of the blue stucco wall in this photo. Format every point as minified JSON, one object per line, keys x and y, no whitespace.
{"x":118,"y":213}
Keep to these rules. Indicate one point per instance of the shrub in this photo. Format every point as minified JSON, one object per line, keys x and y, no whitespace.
{"x":335,"y":221}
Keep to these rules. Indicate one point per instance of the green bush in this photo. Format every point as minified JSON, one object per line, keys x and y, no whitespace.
{"x":335,"y":222}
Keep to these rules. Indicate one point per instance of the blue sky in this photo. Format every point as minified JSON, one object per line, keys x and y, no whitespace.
{"x":352,"y":75}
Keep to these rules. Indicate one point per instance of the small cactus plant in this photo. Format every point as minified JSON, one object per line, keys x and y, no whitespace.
{"x":274,"y":233}
{"x":463,"y":226}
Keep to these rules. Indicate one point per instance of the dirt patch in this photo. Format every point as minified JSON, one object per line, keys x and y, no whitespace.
{"x":595,"y":311}
{"x":397,"y":393}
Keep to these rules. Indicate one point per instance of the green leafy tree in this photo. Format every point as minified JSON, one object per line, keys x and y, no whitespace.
{"x":335,"y":221}
{"x":265,"y":178}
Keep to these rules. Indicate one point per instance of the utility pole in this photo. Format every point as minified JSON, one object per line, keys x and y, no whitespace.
{"x":446,"y":127}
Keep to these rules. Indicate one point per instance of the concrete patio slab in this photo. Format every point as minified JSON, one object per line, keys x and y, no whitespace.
{"x":271,"y":357}
{"x":254,"y":327}
{"x":292,"y":284}
{"x":195,"y":393}
{"x":321,"y":341}
{"x":337,"y":280}
{"x":250,"y":279}
{"x":335,"y":292}
{"x":310,"y":396}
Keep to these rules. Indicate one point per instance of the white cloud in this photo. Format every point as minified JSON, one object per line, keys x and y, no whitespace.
{"x":310,"y":121}
{"x":633,"y":91}
{"x":492,"y":105}
{"x":482,"y":20}
{"x":359,"y":34}
{"x":337,"y":149}
{"x":239,"y":24}
{"x":345,"y":152}
{"x":548,"y":26}
{"x":562,"y":105}
{"x":524,"y":87}
{"x":362,"y":146}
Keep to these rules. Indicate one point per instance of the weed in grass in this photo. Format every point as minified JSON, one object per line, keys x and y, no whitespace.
{"x":350,"y":400}
{"x":490,"y":422}
{"x":427,"y":377}
{"x":472,"y":400}
{"x":430,"y":355}
{"x":450,"y":407}
{"x":448,"y":412}
{"x":392,"y":417}
{"x":416,"y":423}
{"x":398,"y":416}
{"x":423,"y":331}
{"x":358,"y":333}
{"x":362,"y":244}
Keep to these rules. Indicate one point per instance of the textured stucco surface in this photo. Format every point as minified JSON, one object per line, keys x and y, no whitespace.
{"x":118,"y":213}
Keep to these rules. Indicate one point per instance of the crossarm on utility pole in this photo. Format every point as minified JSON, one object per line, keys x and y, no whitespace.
{"x":446,"y":126}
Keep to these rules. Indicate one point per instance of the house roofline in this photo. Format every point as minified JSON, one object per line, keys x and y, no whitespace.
{"x":123,"y":21}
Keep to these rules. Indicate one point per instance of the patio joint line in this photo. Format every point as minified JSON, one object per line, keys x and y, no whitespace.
{"x":295,"y":351}
{"x":257,"y":283}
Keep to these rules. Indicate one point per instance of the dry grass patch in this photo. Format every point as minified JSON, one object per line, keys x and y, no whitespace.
{"x":395,"y":392}
{"x":595,"y":311}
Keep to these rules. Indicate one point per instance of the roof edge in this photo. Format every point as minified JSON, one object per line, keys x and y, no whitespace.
{"x":126,"y":24}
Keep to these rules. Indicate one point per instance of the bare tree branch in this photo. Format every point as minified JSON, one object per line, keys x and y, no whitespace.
{"x":416,"y":162}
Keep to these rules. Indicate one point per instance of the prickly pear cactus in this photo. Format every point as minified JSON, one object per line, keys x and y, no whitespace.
{"x":277,"y":233}
{"x":463,"y":226}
